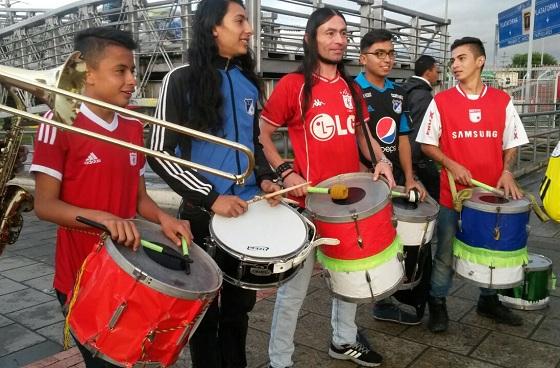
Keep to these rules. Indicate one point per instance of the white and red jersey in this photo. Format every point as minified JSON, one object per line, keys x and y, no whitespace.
{"x":473,"y":131}
{"x":94,"y":175}
{"x":324,"y":143}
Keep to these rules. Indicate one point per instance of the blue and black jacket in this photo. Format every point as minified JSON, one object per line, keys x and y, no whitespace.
{"x":240,"y":124}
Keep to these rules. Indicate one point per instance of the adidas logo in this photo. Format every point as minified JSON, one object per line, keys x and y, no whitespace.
{"x":92,"y":159}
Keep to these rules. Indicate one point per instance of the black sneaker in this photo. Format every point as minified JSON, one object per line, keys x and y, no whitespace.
{"x":439,"y":320}
{"x":490,"y":306}
{"x":358,"y":353}
{"x":389,"y":312}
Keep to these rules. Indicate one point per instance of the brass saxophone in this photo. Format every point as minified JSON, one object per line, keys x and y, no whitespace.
{"x":13,"y":199}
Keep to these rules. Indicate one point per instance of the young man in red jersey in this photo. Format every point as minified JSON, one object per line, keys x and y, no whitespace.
{"x":473,"y":131}
{"x":80,"y":176}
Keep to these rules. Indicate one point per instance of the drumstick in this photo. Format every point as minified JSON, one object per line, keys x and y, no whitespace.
{"x":488,"y":187}
{"x":337,"y":191}
{"x":278,"y":192}
{"x":412,"y":196}
{"x":144,"y":243}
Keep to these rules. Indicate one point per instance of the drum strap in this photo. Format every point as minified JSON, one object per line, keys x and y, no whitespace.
{"x":461,"y":196}
{"x":67,"y":337}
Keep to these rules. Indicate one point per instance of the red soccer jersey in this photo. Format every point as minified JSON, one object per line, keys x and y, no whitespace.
{"x":474,"y":133}
{"x":93,"y":174}
{"x":325,"y":143}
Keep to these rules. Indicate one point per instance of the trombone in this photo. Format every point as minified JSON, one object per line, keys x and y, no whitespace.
{"x":64,"y":84}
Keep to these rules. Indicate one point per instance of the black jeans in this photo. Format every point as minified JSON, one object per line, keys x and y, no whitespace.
{"x":89,"y":359}
{"x":220,"y":339}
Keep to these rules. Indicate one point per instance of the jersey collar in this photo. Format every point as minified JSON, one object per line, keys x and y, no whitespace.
{"x":364,"y":83}
{"x":472,"y":97}
{"x":97,"y":120}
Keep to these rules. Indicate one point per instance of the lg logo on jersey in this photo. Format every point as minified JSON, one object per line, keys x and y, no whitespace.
{"x":324,"y":127}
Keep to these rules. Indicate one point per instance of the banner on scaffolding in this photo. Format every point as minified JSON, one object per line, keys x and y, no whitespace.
{"x":514,"y":23}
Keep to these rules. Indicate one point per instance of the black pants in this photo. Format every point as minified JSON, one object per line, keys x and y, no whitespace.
{"x":418,"y":296}
{"x":89,"y":359}
{"x":220,"y":339}
{"x":428,"y":174}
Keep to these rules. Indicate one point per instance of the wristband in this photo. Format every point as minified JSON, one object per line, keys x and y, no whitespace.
{"x":507,"y":171}
{"x":284,"y":166}
{"x":288,"y":174}
{"x":386,"y":161}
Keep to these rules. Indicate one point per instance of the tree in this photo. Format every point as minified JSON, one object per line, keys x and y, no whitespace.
{"x":520,"y":60}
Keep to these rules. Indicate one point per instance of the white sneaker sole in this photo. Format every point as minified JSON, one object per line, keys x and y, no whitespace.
{"x":339,"y":356}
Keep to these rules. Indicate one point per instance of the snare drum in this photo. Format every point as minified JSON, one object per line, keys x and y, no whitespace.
{"x":131,"y":311}
{"x":367,"y":264}
{"x":263,"y":248}
{"x":490,"y":244}
{"x":534,"y":292}
{"x":415,"y":226}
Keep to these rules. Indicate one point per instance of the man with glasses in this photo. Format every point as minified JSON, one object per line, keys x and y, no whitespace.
{"x":389,"y":123}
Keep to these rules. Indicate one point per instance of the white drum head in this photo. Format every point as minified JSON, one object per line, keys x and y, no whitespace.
{"x":262,"y":232}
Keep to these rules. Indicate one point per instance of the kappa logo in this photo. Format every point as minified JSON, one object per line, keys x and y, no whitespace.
{"x":250,"y":106}
{"x":92,"y":159}
{"x":475,"y":115}
{"x":386,"y":130}
{"x":318,"y":103}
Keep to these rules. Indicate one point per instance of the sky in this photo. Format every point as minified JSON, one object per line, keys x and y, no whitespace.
{"x":468,"y":18}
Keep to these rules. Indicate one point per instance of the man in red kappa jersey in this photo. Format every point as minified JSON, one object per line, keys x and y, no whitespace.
{"x":80,"y":176}
{"x":322,"y":108}
{"x":473,"y":131}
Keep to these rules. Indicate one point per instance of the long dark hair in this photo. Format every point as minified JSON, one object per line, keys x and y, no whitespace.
{"x":203,"y":82}
{"x":311,"y":59}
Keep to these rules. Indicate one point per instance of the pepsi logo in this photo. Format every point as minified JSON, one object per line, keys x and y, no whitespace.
{"x":386,"y":130}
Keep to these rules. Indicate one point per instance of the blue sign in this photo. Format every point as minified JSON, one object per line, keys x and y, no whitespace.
{"x":547,"y":18}
{"x":510,"y":25}
{"x":513,"y":23}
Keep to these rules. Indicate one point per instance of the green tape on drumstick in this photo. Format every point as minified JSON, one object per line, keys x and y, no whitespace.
{"x":318,"y":190}
{"x":486,"y":186}
{"x":152,"y":246}
{"x":185,"y":246}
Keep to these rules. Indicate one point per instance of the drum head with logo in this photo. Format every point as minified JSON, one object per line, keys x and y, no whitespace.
{"x":365,"y":197}
{"x":263,"y":232}
{"x":205,"y":276}
{"x":493,"y":203}
{"x":414,"y":212}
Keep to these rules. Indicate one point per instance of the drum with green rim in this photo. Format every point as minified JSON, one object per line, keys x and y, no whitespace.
{"x":534,"y":292}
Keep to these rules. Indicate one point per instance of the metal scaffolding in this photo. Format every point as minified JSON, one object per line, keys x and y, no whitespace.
{"x":41,"y":39}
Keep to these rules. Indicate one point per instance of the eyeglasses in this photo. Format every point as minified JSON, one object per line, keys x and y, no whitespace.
{"x":382,"y":54}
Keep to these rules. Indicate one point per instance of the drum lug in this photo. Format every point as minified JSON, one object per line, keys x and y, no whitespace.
{"x":460,"y":225}
{"x":394,"y":221}
{"x":116,"y":315}
{"x":528,"y":229}
{"x":360,"y":240}
{"x":140,"y":275}
{"x":210,"y":247}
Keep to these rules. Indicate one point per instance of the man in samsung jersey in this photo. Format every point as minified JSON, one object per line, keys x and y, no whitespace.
{"x":473,"y":131}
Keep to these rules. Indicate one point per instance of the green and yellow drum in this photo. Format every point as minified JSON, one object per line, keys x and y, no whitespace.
{"x":534,"y":292}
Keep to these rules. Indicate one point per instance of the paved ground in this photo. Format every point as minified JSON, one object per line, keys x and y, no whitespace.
{"x":31,"y":322}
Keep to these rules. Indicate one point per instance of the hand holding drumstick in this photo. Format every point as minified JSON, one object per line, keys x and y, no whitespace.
{"x":337,"y":191}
